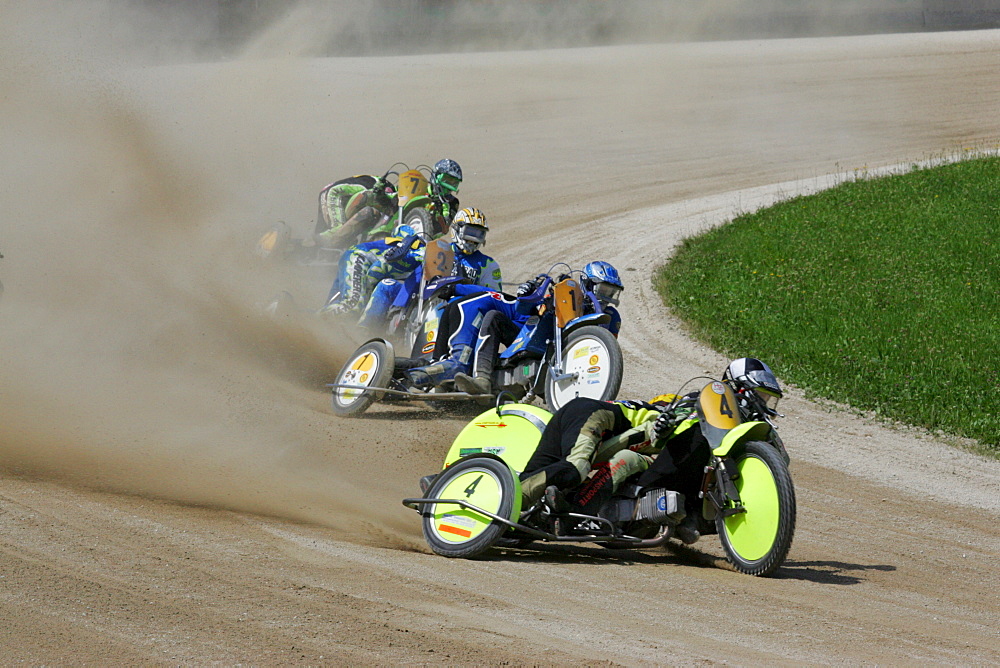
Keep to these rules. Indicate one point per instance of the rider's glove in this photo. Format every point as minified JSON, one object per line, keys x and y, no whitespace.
{"x":663,"y":425}
{"x":381,"y":192}
{"x":528,"y":287}
{"x":399,"y":252}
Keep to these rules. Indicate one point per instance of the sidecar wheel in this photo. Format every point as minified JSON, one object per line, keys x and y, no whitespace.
{"x":756,"y":542}
{"x":454,"y":531}
{"x":593,"y":354}
{"x":370,"y":366}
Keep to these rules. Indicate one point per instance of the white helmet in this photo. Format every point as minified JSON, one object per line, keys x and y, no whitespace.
{"x":468,"y":230}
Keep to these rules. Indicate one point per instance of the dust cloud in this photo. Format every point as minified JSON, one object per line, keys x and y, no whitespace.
{"x":133,"y":355}
{"x":135,"y":178}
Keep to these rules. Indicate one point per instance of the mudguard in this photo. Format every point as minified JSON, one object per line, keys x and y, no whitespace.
{"x":746,"y":431}
{"x":510,"y":432}
{"x":599,"y":319}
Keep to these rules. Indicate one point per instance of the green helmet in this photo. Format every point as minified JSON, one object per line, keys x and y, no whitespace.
{"x":446,"y":177}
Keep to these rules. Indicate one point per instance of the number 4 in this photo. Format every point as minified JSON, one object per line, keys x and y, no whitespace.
{"x":724,"y":407}
{"x":471,"y":489}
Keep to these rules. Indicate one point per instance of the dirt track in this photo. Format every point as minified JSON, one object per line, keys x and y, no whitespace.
{"x":175,"y":489}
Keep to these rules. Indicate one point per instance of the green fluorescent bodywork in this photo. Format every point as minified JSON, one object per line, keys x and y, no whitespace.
{"x":746,"y":431}
{"x":752,"y":533}
{"x":507,"y":435}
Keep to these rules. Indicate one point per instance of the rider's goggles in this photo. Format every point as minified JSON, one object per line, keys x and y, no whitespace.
{"x":607,"y":292}
{"x":449,"y":182}
{"x":474,"y":235}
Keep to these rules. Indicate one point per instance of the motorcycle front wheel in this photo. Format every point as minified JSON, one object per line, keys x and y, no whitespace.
{"x":757,"y":541}
{"x":421,"y":220}
{"x":593,"y":360}
{"x":452,"y":530}
{"x":368,"y":369}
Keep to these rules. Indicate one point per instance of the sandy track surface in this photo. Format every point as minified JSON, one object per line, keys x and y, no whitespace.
{"x":175,"y":489}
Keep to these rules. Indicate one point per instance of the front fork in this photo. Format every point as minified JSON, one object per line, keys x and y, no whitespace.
{"x":717,"y":486}
{"x":557,"y":371}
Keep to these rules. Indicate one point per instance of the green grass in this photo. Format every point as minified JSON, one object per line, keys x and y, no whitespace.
{"x":882,"y":293}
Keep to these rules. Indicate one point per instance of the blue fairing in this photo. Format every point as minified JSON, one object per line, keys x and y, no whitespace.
{"x":533,"y":337}
{"x":601,"y":319}
{"x":410,"y":285}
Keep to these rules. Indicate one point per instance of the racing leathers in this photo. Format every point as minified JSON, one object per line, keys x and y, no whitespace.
{"x":363,"y":266}
{"x":480,"y":269}
{"x":615,"y":439}
{"x":373,"y":211}
{"x":445,"y":206}
{"x":500,"y":327}
{"x":466,"y":319}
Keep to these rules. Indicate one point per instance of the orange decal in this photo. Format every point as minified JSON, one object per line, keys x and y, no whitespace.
{"x":445,"y":528}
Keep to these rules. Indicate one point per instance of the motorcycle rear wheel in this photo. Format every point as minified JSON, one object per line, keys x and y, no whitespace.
{"x":485,"y":482}
{"x":370,"y":366}
{"x":757,"y":541}
{"x":593,"y":354}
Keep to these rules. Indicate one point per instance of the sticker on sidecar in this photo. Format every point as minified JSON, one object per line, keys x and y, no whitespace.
{"x":490,"y":450}
{"x":460,"y":520}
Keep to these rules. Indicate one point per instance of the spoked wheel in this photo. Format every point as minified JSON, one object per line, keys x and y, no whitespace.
{"x":452,"y":530}
{"x":421,"y":220}
{"x":369,"y":367}
{"x":593,"y":357}
{"x":756,"y":542}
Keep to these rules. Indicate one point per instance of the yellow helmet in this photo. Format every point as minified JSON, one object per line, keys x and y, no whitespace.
{"x":469,"y":230}
{"x":663,"y":399}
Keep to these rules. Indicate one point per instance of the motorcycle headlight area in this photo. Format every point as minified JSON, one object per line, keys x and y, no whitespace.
{"x":769,"y":399}
{"x":608,"y":292}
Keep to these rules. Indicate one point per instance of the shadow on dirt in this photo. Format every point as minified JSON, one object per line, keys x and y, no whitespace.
{"x":576,"y":553}
{"x":821,"y":572}
{"x":828,"y":572}
{"x":407,"y":413}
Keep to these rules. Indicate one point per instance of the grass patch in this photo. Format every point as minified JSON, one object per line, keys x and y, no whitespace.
{"x":883,"y":293}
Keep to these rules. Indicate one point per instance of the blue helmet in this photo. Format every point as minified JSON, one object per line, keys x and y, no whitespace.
{"x":604,"y":280}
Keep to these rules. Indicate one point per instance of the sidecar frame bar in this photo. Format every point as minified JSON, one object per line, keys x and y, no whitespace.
{"x":628,"y":542}
{"x":419,"y":396}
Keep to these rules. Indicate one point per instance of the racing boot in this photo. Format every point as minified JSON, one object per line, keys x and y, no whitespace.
{"x":494,"y":330}
{"x":555,"y":500}
{"x":687,"y":530}
{"x":434,"y":374}
{"x":478,"y":384}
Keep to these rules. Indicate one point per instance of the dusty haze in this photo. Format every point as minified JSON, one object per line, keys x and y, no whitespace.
{"x":132,"y":359}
